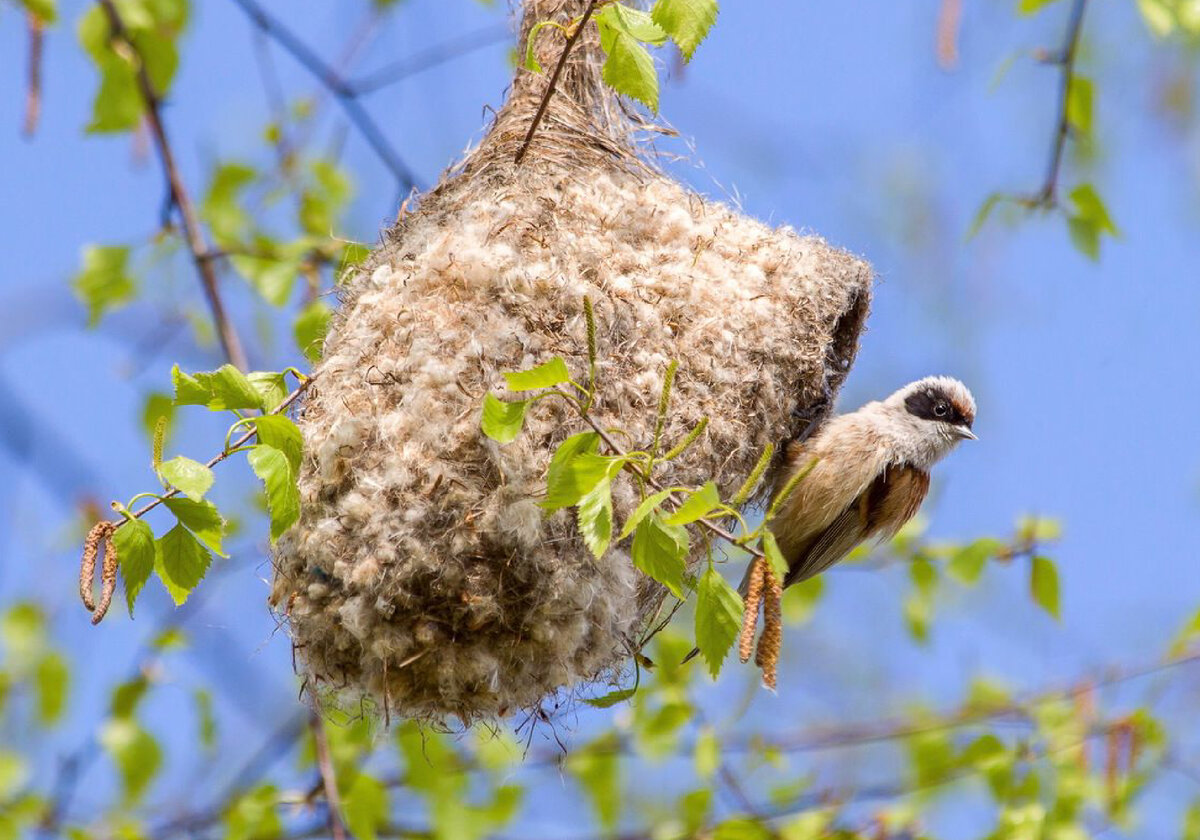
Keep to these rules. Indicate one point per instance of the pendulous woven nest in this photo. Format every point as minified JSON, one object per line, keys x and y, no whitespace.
{"x":422,"y":571}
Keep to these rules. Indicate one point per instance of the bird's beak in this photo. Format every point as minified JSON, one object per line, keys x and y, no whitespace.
{"x":966,"y":433}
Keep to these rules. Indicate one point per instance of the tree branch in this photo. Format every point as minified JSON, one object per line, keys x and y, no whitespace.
{"x":558,"y":68}
{"x":345,"y":94}
{"x":1065,"y":59}
{"x":333,"y":799}
{"x":230,"y":343}
{"x":429,"y":58}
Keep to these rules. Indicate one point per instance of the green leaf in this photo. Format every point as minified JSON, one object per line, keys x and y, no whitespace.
{"x":23,"y":631}
{"x":628,"y":68}
{"x":135,"y":753}
{"x":254,"y":815}
{"x":271,"y":387}
{"x":181,"y":562}
{"x":135,"y":547}
{"x":983,"y":213}
{"x":595,"y":767}
{"x":707,"y":754}
{"x":1080,"y":97}
{"x":158,"y":405}
{"x":1089,"y":205}
{"x":1159,"y":16}
{"x":272,"y":277}
{"x":46,"y":11}
{"x":1085,"y":236}
{"x":686,"y":21}
{"x":531,"y":62}
{"x":648,"y":504}
{"x":1191,"y":822}
{"x":324,"y":199}
{"x":611,"y":699}
{"x":365,"y":806}
{"x":770,"y":547}
{"x":202,"y":519}
{"x":104,"y":282}
{"x":1043,"y":584}
{"x":229,"y":223}
{"x":1184,"y":637}
{"x":206,"y":720}
{"x":584,"y":442}
{"x":280,"y":432}
{"x":800,"y":599}
{"x":279,"y":478}
{"x":659,"y":551}
{"x":1029,"y":7}
{"x":576,"y":478}
{"x":595,"y":517}
{"x":502,"y":421}
{"x":698,"y":505}
{"x":718,"y":618}
{"x":968,"y":562}
{"x":924,"y":575}
{"x":14,"y":775}
{"x":220,"y":390}
{"x":744,"y":828}
{"x":918,"y":610}
{"x":546,"y":375}
{"x":191,"y":478}
{"x":52,"y":678}
{"x":310,"y":329}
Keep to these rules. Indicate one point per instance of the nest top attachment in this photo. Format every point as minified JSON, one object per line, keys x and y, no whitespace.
{"x":423,"y":571}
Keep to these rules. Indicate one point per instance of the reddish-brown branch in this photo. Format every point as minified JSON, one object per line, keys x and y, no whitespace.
{"x":193,"y":236}
{"x":558,"y":68}
{"x":33,"y":90}
{"x":1047,"y":196}
{"x":333,"y":799}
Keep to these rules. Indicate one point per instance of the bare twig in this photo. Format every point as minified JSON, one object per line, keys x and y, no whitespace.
{"x":33,"y":90}
{"x":230,"y":343}
{"x":1065,"y":59}
{"x":430,"y":58}
{"x":558,"y":68}
{"x":335,"y":84}
{"x":333,"y":799}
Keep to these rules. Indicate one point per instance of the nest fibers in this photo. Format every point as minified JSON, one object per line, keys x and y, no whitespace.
{"x":423,"y":571}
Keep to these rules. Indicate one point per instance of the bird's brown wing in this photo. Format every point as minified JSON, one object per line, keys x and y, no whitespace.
{"x":880,"y":510}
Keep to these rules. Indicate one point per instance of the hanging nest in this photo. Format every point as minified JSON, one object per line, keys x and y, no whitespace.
{"x":422,"y":571}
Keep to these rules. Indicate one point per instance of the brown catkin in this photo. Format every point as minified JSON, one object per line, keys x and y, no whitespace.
{"x":87,"y":565}
{"x":771,"y":640}
{"x":108,"y":575}
{"x":754,"y":591}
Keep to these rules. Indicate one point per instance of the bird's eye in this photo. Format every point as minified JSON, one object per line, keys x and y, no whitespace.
{"x":941,"y":410}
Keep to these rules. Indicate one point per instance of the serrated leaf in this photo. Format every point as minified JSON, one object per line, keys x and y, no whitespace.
{"x":365,"y":806}
{"x":220,"y":390}
{"x":611,"y":699}
{"x":52,"y":678}
{"x":1080,"y":97}
{"x":135,"y":752}
{"x":180,"y":561}
{"x":135,"y":548}
{"x":202,"y":519}
{"x":271,"y":387}
{"x":1043,"y":584}
{"x":687,"y":22}
{"x":718,"y":618}
{"x":191,"y":478}
{"x":502,"y":421}
{"x":584,"y":442}
{"x":633,"y":22}
{"x":104,"y":283}
{"x":576,"y":478}
{"x":279,"y":478}
{"x":648,"y":504}
{"x":546,"y":375}
{"x":594,"y":515}
{"x":628,"y":68}
{"x":698,"y":505}
{"x":779,"y":564}
{"x":280,"y":432}
{"x":659,"y":551}
{"x":310,"y":329}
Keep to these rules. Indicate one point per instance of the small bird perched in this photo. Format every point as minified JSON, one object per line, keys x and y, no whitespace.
{"x":871,"y":473}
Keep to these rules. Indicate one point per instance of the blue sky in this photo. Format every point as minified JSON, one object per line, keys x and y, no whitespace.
{"x":830,"y":117}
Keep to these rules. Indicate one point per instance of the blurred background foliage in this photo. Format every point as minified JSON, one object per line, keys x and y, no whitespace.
{"x":1023,"y":174}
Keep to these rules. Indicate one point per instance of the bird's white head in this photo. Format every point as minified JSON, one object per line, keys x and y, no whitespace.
{"x":933,"y":415}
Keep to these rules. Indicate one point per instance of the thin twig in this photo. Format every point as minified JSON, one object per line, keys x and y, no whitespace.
{"x":1047,"y":195}
{"x":230,"y":343}
{"x":429,"y":58}
{"x":558,"y":68}
{"x":333,"y":799}
{"x":335,"y":84}
{"x":33,"y":90}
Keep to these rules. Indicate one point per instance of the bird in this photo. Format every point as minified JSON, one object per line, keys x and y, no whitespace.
{"x":868,"y":473}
